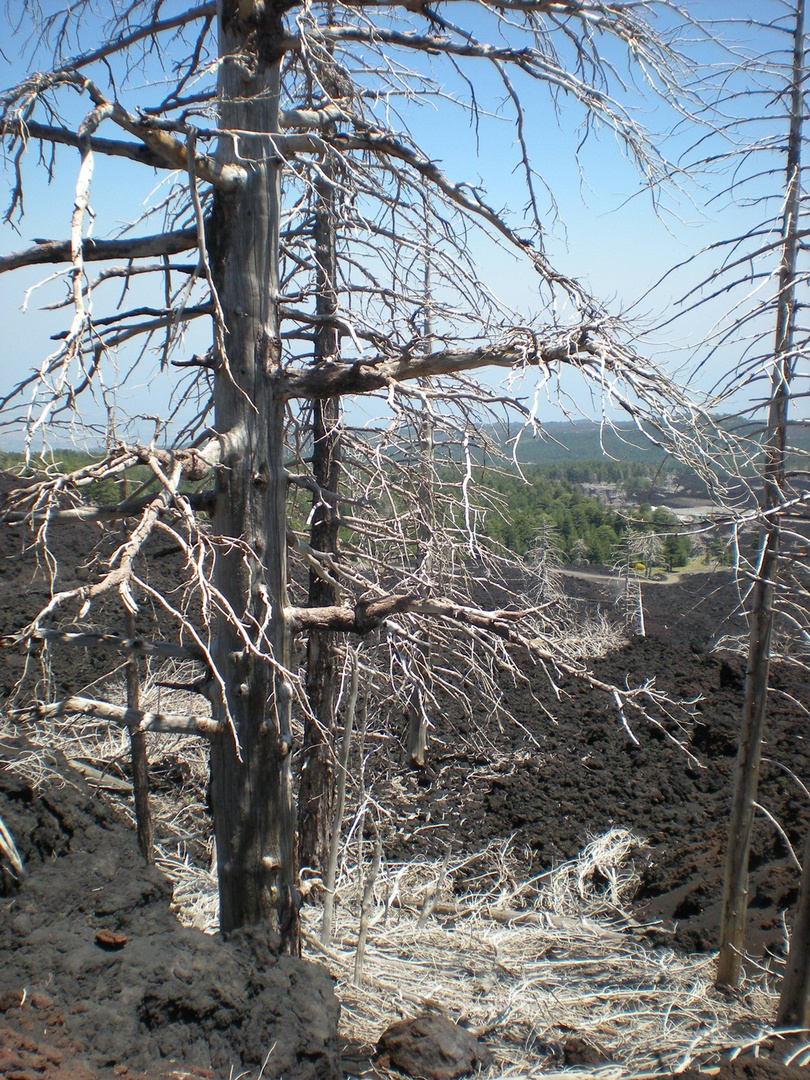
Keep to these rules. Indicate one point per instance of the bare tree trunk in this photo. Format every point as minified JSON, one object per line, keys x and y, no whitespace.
{"x":642,"y":628}
{"x":746,"y":780}
{"x":140,"y":762}
{"x":330,"y":875}
{"x":416,"y":709}
{"x":251,"y":783}
{"x":316,"y":796}
{"x":316,"y":791}
{"x":137,"y":739}
{"x":365,"y":908}
{"x":794,"y":1000}
{"x":417,"y":724}
{"x":735,"y":891}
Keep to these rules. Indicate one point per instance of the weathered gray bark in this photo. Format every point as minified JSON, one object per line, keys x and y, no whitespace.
{"x":330,"y":873}
{"x":138,"y":755}
{"x":316,"y":794}
{"x":735,"y":891}
{"x":794,"y":1000}
{"x":416,"y":713}
{"x":251,"y":791}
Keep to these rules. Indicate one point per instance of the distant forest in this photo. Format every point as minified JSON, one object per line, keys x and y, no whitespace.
{"x":593,"y":495}
{"x":598,"y":491}
{"x":586,"y":527}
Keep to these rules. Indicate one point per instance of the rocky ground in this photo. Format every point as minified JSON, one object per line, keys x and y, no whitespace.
{"x":156,"y":999}
{"x":551,"y":784}
{"x":98,"y":978}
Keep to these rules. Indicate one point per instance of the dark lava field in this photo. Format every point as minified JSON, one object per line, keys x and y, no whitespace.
{"x":71,"y":1006}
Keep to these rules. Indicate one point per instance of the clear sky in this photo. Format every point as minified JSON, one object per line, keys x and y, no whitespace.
{"x":608,"y":233}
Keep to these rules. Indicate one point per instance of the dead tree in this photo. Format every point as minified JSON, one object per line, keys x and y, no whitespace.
{"x":781,"y":368}
{"x":267,"y":105}
{"x":794,"y":1000}
{"x":427,"y":557}
{"x":317,"y":786}
{"x":761,"y":272}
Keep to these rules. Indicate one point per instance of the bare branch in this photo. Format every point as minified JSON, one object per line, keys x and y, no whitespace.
{"x":141,"y":247}
{"x":165,"y":145}
{"x":199,"y":500}
{"x":389,"y":147}
{"x":148,"y":30}
{"x":328,"y":380}
{"x":89,"y":639}
{"x":30,"y":129}
{"x":134,"y":719}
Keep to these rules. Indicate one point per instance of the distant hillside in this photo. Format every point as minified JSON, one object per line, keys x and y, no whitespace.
{"x":585,"y":440}
{"x":564,"y":443}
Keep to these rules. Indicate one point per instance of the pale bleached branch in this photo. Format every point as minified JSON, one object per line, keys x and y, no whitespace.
{"x":30,"y":129}
{"x":140,"y":247}
{"x":88,"y":639}
{"x":134,"y":719}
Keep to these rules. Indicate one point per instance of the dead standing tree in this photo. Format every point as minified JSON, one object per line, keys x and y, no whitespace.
{"x":788,"y":352}
{"x":317,"y":785}
{"x":234,"y":147}
{"x":760,"y":128}
{"x":781,"y":369}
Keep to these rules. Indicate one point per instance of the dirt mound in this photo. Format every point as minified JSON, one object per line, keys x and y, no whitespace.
{"x":92,"y":953}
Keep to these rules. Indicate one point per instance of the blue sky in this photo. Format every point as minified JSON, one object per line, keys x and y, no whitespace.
{"x":609,"y":234}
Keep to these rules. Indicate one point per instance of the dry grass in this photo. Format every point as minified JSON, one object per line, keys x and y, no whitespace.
{"x":534,"y":964}
{"x":530,"y":964}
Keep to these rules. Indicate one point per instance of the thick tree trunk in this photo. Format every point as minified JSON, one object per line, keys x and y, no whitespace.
{"x":735,"y":891}
{"x":251,"y":789}
{"x":316,"y":795}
